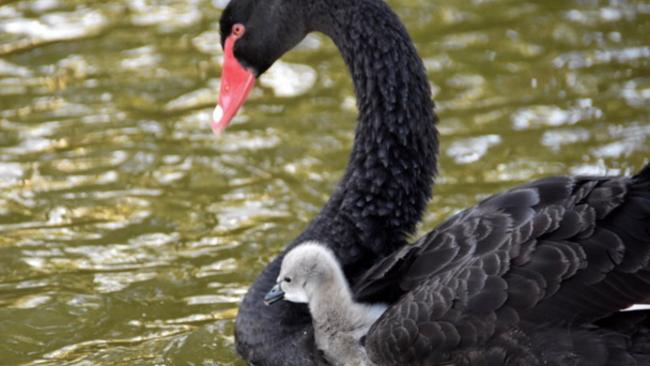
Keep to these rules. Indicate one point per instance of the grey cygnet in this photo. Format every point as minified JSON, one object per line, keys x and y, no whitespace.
{"x":311,"y":274}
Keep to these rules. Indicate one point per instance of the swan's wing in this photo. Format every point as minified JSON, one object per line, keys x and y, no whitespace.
{"x":486,"y":227}
{"x":555,"y":251}
{"x":614,"y":267}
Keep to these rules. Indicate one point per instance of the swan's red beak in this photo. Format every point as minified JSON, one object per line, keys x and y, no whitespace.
{"x":236,"y":83}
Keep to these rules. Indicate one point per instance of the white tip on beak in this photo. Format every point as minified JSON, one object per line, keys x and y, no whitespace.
{"x":217,"y":114}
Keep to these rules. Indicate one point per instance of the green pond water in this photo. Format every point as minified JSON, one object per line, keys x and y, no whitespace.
{"x":129,"y":233}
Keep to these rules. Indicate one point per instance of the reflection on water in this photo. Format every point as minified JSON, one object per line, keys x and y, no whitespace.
{"x":289,"y":80}
{"x":129,"y":233}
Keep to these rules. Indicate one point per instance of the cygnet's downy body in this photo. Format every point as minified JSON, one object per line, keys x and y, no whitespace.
{"x":311,"y":274}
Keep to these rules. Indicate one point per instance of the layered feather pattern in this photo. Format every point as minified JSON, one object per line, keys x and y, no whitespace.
{"x":534,"y":268}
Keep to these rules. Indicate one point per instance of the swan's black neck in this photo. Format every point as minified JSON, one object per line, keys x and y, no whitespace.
{"x":389,"y":177}
{"x":386,"y":185}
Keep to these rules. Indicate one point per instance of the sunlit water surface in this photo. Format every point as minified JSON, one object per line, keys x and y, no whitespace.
{"x":129,"y":233}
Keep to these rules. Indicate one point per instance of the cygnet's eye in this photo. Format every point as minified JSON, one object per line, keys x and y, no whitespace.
{"x":287,"y":279}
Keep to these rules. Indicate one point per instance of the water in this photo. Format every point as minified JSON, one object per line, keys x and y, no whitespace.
{"x":129,"y":232}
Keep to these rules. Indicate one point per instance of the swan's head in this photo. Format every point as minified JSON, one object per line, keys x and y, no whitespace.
{"x":305,"y":270}
{"x":254,"y":34}
{"x":263,"y":29}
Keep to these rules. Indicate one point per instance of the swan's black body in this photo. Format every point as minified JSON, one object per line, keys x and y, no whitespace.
{"x":531,"y":276}
{"x":521,"y":279}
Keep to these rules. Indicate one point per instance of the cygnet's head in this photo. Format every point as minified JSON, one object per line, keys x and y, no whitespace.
{"x":304,"y":269}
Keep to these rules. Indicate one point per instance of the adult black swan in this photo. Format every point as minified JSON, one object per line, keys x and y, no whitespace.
{"x":535,"y":275}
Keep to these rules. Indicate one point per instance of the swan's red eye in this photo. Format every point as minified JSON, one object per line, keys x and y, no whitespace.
{"x":238,"y":30}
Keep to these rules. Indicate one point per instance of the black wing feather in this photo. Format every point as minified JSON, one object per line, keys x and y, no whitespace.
{"x":530,"y":269}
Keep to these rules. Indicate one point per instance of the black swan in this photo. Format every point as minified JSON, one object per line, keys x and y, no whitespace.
{"x":534,"y":275}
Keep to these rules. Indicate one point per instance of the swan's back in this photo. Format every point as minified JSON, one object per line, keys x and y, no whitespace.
{"x":522,"y":276}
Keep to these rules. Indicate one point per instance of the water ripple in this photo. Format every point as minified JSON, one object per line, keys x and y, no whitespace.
{"x":129,"y":233}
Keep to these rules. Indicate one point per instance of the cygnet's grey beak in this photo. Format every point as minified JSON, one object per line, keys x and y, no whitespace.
{"x":276,"y":294}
